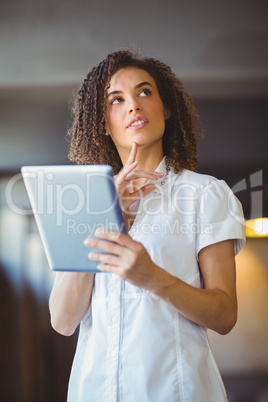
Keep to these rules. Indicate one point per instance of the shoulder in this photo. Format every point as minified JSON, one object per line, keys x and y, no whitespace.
{"x":219,"y":211}
{"x":203,"y":188}
{"x":199,"y":180}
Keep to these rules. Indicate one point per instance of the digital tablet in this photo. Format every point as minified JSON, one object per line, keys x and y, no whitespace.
{"x":69,"y":204}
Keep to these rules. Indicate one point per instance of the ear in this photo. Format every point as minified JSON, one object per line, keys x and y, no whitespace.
{"x":107,"y":131}
{"x":167,"y":114}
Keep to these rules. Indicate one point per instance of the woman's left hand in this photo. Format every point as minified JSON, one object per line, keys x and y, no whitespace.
{"x":125,"y":257}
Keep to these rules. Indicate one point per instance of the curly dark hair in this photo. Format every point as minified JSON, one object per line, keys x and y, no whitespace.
{"x":88,"y":142}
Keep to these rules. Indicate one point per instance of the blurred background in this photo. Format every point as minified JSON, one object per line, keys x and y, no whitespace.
{"x":219,"y":49}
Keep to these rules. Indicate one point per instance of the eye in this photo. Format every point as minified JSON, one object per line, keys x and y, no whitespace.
{"x":146,"y":92}
{"x":116,"y":100}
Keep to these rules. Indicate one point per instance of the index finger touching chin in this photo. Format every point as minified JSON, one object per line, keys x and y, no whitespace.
{"x":132,"y":155}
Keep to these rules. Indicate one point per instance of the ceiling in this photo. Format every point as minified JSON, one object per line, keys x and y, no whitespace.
{"x":217,"y":47}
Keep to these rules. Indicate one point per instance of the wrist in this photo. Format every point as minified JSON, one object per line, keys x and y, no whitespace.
{"x":163,"y":283}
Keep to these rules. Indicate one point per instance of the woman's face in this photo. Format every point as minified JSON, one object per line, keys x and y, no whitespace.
{"x":135,"y":112}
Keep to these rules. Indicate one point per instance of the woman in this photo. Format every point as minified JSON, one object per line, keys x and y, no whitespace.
{"x":143,"y":325}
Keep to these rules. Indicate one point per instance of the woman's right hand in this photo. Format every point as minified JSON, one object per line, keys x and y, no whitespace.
{"x":129,"y":195}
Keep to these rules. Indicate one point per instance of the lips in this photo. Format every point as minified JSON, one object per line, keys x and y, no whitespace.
{"x":138,"y":122}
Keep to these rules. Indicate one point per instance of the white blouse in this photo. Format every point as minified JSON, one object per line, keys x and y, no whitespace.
{"x":134,"y":347}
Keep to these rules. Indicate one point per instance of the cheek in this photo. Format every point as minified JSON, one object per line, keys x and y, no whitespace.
{"x":113,"y":119}
{"x":115,"y":127}
{"x":160,"y":112}
{"x":158,"y":109}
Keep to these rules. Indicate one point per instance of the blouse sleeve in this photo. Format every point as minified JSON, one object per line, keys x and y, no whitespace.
{"x":220,"y":217}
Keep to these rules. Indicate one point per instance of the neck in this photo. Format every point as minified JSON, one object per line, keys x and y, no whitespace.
{"x":148,"y":158}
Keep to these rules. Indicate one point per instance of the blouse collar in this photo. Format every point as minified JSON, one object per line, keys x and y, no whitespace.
{"x":164,"y":184}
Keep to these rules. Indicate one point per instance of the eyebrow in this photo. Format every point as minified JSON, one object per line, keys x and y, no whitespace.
{"x":136,"y":87}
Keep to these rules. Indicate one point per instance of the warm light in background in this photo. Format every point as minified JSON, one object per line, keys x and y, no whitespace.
{"x":257,"y":227}
{"x":247,"y":343}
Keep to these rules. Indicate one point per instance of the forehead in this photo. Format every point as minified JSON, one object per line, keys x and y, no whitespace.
{"x":130,"y":76}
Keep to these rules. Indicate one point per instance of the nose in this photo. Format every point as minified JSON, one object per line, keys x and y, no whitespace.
{"x":134,"y":106}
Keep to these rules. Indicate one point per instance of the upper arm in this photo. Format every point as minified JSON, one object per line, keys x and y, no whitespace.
{"x":217,"y":264}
